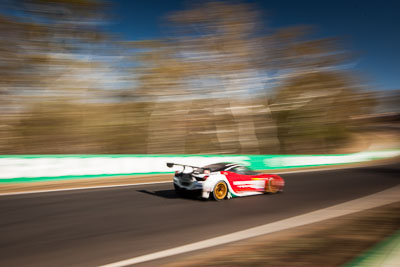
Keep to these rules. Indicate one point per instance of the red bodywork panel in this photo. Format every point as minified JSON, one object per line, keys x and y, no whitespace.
{"x":258,"y":182}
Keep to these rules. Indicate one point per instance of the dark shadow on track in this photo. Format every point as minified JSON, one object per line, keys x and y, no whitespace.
{"x":161,"y":193}
{"x":170,"y":194}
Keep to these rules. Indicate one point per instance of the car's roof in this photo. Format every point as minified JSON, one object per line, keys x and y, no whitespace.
{"x":220,"y":166}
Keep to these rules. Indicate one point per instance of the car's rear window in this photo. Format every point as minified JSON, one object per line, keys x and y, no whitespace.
{"x":215,"y":167}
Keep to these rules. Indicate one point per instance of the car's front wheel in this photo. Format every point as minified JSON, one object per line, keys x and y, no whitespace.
{"x":220,"y":191}
{"x":271,"y":186}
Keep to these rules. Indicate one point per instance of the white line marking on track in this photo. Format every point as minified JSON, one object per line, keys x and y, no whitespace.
{"x":169,"y":181}
{"x":375,"y":200}
{"x":80,"y":188}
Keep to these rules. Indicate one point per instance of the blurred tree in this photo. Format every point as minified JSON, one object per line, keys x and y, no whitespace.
{"x":45,"y":54}
{"x":291,"y":51}
{"x":213,"y":52}
{"x":313,"y":110}
{"x":316,"y":95}
{"x":44,"y":40}
{"x":74,"y":128}
{"x":222,"y":40}
{"x":218,"y":49}
{"x":160,"y":77}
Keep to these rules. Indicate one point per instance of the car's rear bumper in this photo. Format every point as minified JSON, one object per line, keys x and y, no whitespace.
{"x":194,"y":187}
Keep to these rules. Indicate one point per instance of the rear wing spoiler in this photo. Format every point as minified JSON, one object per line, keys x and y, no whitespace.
{"x":170,"y":165}
{"x":195,"y":169}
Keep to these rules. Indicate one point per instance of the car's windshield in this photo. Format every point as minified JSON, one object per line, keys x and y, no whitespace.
{"x":243,"y":170}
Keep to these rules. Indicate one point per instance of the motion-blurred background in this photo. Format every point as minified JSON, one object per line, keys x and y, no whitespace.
{"x":93,"y":77}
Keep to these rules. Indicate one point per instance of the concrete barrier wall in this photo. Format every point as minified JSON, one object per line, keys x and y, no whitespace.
{"x":29,"y":168}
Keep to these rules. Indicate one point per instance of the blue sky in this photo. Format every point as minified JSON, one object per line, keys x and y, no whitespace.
{"x":369,"y":29}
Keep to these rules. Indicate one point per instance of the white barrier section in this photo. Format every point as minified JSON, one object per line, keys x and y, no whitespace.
{"x":81,"y":166}
{"x":315,"y":160}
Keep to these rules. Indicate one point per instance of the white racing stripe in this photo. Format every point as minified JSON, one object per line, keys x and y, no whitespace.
{"x":375,"y":200}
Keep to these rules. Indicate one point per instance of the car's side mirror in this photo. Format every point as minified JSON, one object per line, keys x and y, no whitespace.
{"x":170,"y":165}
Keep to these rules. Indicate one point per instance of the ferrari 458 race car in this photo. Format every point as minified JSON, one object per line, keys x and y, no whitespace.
{"x":224,"y":180}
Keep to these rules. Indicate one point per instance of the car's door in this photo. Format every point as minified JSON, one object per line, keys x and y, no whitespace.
{"x":242,"y":179}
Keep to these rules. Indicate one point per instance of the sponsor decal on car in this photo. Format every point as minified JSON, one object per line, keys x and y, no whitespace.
{"x":254,"y":183}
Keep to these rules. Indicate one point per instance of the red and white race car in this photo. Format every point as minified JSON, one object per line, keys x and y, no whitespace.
{"x":224,"y":180}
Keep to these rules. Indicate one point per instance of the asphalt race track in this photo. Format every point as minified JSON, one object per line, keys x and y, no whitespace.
{"x":100,"y":226}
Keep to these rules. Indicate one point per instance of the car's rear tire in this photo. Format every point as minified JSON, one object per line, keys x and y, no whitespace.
{"x":220,"y":191}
